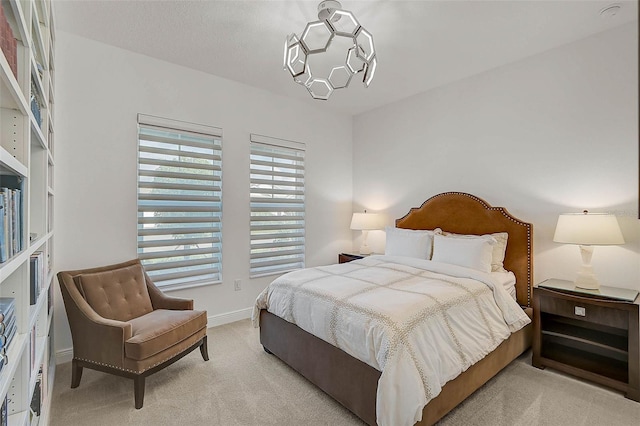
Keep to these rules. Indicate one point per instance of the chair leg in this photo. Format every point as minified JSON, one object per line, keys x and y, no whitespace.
{"x":204,"y":350}
{"x":76,"y":374}
{"x":138,"y":388}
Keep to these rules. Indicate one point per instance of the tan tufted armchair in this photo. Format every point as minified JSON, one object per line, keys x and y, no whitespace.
{"x":121,"y":323}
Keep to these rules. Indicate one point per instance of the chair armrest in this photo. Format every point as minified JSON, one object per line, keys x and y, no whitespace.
{"x":173,"y":303}
{"x":159,"y":300}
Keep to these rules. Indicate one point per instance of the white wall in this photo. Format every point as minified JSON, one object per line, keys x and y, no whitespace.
{"x":554,"y":133}
{"x":557,"y":132}
{"x":99,"y":91}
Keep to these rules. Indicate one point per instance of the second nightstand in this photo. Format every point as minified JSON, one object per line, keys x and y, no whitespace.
{"x":592,"y":336}
{"x":347,"y":257}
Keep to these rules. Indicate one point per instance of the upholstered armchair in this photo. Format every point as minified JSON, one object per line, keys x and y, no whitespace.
{"x":122,"y":324}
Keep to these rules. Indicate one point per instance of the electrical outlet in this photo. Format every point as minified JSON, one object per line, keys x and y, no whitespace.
{"x":580,"y":311}
{"x":237,"y":285}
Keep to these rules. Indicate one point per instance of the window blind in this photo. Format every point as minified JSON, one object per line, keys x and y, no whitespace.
{"x":179,"y":201}
{"x":277,"y":206}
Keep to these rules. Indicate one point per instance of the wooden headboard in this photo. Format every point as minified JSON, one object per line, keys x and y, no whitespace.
{"x":467,"y":214}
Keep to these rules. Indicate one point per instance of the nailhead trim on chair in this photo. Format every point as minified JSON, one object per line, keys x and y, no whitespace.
{"x":125,"y":369}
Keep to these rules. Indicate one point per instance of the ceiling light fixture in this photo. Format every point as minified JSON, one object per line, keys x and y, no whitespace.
{"x":334,"y":24}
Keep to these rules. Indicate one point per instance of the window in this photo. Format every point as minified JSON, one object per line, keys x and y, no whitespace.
{"x":179,"y":201}
{"x":277,"y":205}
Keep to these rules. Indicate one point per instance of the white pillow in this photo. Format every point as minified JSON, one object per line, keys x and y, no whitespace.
{"x":499,"y":249}
{"x":474,"y":253}
{"x":410,"y":243}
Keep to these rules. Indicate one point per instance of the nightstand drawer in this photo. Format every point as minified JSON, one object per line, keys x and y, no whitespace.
{"x":576,"y":308}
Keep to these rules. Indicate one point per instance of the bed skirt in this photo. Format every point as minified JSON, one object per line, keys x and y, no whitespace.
{"x":354,"y":383}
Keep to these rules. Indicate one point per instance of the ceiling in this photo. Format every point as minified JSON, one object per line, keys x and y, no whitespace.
{"x":420,"y":44}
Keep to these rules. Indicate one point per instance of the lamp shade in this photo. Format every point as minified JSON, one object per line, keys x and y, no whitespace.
{"x":367,"y":221}
{"x":588,"y":229}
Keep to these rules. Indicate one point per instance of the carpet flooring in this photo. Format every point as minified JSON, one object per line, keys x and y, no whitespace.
{"x":243,"y":385}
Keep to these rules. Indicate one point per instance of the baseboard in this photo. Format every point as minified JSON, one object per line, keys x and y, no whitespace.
{"x":66,"y":355}
{"x":227,"y":317}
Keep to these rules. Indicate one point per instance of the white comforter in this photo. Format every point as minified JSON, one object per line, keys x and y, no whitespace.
{"x":420,"y":323}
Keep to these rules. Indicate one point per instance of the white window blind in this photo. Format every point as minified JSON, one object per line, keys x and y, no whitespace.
{"x":277,"y":206}
{"x":179,"y":201}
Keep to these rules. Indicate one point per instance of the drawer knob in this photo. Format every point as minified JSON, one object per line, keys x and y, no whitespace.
{"x":580,"y":311}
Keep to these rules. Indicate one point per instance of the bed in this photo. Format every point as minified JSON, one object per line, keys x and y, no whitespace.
{"x":354,"y":383}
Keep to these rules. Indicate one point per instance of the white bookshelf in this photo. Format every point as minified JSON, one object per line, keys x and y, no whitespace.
{"x":27,"y":152}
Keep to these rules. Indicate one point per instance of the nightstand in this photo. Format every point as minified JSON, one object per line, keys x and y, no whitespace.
{"x":591,"y":334}
{"x":347,"y":257}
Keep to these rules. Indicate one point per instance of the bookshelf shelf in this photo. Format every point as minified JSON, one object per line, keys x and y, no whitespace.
{"x":35,"y":127}
{"x":9,"y":164}
{"x":11,"y":95}
{"x":16,"y":349}
{"x":35,"y":310}
{"x":27,"y":169}
{"x":12,"y":264}
{"x":18,"y":419}
{"x":40,"y":349}
{"x":38,"y":242}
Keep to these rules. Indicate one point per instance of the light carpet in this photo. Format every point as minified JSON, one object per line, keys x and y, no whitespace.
{"x":243,"y":385}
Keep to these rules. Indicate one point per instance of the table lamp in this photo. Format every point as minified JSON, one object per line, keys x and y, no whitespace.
{"x":587,"y":230}
{"x":366,"y":222}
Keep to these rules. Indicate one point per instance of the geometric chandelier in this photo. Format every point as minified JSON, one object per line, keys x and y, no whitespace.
{"x":334,"y":25}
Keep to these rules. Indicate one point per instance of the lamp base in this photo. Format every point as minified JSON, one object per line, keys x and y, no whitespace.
{"x":364,"y":249}
{"x":586,"y":278}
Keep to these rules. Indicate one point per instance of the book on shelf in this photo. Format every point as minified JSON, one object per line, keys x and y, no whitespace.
{"x":36,"y":276}
{"x":50,"y":300}
{"x":8,"y":326}
{"x":12,"y":217}
{"x":36,"y":399}
{"x":7,"y":307}
{"x":17,"y":220}
{"x":5,"y":223}
{"x":4,"y":412}
{"x":32,"y":355}
{"x":36,"y":104}
{"x":7,"y":329}
{"x":3,"y":357}
{"x":3,"y":246}
{"x":33,"y":280}
{"x":10,"y":331}
{"x":8,"y":42}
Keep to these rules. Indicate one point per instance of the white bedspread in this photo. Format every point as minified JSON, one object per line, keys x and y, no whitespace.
{"x":420,"y":323}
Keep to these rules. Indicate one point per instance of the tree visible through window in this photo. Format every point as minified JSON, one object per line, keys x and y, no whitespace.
{"x":179,"y":201}
{"x":277,"y":206}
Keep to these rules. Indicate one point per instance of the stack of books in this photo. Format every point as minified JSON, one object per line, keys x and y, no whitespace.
{"x":10,"y":217}
{"x":8,"y":326}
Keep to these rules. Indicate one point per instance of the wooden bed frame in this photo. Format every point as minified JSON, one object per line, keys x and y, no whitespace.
{"x":354,"y":383}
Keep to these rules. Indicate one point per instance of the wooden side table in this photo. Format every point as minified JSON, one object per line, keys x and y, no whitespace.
{"x":591,"y":334}
{"x":348,"y":257}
